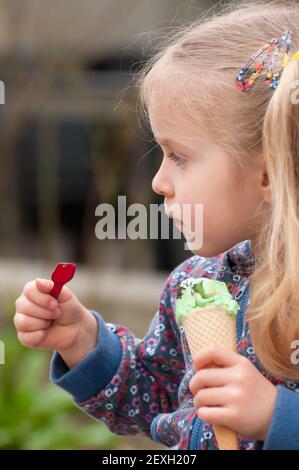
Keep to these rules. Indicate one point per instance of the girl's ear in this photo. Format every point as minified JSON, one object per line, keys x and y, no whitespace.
{"x":263,"y":180}
{"x":266,"y":190}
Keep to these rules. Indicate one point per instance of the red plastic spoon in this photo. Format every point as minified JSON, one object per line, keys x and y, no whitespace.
{"x":62,"y":274}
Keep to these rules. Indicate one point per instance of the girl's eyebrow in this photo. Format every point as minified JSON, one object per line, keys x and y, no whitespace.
{"x":160,"y":140}
{"x":165,"y":141}
{"x":172,"y":143}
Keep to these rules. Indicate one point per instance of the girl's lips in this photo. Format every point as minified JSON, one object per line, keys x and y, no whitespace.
{"x":179,"y":224}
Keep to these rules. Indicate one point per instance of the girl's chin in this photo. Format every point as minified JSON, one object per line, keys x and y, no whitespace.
{"x":204,"y":251}
{"x":194,"y":245}
{"x":198,"y":248}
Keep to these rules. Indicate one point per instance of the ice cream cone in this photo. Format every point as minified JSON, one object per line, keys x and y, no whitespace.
{"x":212,"y":326}
{"x":207,"y":312}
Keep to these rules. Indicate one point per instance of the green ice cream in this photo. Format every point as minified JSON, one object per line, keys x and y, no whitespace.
{"x":200,"y":292}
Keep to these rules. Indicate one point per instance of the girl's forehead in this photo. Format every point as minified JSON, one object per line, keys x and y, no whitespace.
{"x":168,"y":122}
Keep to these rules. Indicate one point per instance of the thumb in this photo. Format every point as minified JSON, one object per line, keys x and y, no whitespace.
{"x":45,"y":286}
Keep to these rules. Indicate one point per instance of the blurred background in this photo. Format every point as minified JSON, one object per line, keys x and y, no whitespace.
{"x":70,"y":139}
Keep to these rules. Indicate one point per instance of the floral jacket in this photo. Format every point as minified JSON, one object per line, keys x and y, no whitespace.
{"x":140,"y":386}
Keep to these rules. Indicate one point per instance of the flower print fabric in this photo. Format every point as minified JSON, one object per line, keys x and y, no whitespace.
{"x":149,"y":392}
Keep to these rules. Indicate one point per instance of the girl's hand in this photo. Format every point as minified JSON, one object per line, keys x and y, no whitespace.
{"x":235,"y":395}
{"x":64,"y":324}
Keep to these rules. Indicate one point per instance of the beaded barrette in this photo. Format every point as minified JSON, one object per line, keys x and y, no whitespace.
{"x":276,"y":50}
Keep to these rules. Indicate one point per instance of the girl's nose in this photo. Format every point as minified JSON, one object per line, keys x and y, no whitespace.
{"x":161,"y":184}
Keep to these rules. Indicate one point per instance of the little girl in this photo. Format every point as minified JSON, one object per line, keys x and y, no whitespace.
{"x":230,"y":139}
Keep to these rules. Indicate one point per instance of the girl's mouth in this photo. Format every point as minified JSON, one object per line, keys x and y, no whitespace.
{"x":179,"y":224}
{"x":187,"y":234}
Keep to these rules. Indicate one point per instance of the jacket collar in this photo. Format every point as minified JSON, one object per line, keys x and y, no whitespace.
{"x":240,"y":258}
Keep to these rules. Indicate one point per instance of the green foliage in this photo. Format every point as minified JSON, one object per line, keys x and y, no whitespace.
{"x":35,"y":414}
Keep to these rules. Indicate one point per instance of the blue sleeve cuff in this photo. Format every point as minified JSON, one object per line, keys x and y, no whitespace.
{"x":284,"y":426}
{"x":96,"y":371}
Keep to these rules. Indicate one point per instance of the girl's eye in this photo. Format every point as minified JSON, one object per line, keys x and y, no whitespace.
{"x":178,"y":160}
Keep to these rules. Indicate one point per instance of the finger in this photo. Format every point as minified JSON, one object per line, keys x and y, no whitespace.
{"x":26,"y":307}
{"x":222,"y":357}
{"x":217,"y":396}
{"x":24,"y":323}
{"x":45,"y":286}
{"x":31,"y":339}
{"x":39,"y":298}
{"x":215,"y":415}
{"x":209,"y":378}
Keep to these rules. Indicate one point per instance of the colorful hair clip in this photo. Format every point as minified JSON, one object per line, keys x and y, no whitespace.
{"x":279,"y":60}
{"x":253,"y":67}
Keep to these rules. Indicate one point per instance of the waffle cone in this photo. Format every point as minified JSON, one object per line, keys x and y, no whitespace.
{"x":205,"y":327}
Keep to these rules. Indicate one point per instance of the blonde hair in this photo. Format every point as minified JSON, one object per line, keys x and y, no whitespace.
{"x":194,"y":71}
